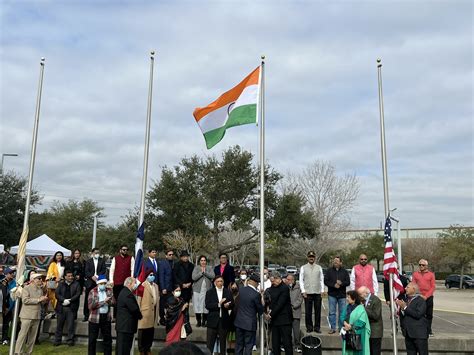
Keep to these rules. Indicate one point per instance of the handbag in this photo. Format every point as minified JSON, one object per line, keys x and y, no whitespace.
{"x":353,"y":341}
{"x":187,"y":325}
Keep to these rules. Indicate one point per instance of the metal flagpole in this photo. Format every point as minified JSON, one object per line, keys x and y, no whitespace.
{"x":145,"y":157}
{"x":399,"y":243}
{"x":385,"y":193}
{"x":24,"y":235}
{"x":262,"y":194}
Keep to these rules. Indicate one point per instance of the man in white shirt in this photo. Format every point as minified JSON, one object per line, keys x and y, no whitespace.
{"x":312,"y":287}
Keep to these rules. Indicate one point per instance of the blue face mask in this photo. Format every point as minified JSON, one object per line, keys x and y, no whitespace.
{"x":136,"y":285}
{"x":151,"y":278}
{"x":102,"y":287}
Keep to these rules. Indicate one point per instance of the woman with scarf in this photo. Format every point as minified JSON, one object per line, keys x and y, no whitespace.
{"x":355,"y":318}
{"x":148,"y":295}
{"x":202,"y":277}
{"x":54,"y":275}
{"x":175,"y":314}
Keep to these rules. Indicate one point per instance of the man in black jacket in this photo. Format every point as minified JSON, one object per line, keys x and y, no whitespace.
{"x":128,"y":314}
{"x":413,"y":322}
{"x":373,"y":307}
{"x":68,"y":294}
{"x":183,"y":275}
{"x":280,"y":315}
{"x":95,"y":266}
{"x":218,"y":302}
{"x":250,"y":304}
{"x":336,"y":279}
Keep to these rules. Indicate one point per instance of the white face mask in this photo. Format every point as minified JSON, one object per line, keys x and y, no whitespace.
{"x":265,"y":277}
{"x":243,"y":277}
{"x":102,"y":287}
{"x":136,"y":285}
{"x":96,"y":256}
{"x":177,"y":293}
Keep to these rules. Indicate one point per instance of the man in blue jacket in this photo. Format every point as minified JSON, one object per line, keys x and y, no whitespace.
{"x":165,"y":281}
{"x":250,"y":304}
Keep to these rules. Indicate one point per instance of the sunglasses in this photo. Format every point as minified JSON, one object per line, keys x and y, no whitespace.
{"x":363,"y":259}
{"x":421,"y":264}
{"x":124,"y":249}
{"x":170,"y":254}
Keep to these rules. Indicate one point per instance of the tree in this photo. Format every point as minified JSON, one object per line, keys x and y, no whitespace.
{"x":330,"y":199}
{"x":427,"y":248}
{"x":457,"y":244}
{"x":205,"y":197}
{"x":13,"y":191}
{"x":69,"y":224}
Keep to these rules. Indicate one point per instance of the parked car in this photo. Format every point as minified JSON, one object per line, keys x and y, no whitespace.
{"x":272,"y":267}
{"x":291,"y":269}
{"x":380,"y":276}
{"x":454,"y":280}
{"x":409,"y":275}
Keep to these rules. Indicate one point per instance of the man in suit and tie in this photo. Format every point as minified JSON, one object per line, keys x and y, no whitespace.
{"x":165,"y":281}
{"x":413,"y":321}
{"x":95,"y":266}
{"x":225,"y":270}
{"x":251,"y":303}
{"x":219,"y":301}
{"x":150,"y":262}
{"x":128,"y":314}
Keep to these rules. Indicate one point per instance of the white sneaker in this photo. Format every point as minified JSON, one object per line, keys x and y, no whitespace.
{"x":5,"y":342}
{"x":254,"y":348}
{"x":298,"y":350}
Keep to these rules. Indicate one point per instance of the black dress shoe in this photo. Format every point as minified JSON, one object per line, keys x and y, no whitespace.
{"x":85,"y":319}
{"x":318,"y":331}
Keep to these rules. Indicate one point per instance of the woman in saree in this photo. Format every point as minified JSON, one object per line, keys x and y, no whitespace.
{"x":355,"y":318}
{"x":174,"y":316}
{"x":54,"y":275}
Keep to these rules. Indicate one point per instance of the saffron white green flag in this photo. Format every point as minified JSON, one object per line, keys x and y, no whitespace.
{"x":236,"y":107}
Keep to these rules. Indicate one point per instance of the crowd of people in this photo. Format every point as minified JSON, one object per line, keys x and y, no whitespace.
{"x":229,"y":306}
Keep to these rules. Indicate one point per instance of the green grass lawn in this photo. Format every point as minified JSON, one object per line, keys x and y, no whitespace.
{"x":47,"y":348}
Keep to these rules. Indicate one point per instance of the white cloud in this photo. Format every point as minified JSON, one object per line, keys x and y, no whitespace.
{"x":321,"y":94}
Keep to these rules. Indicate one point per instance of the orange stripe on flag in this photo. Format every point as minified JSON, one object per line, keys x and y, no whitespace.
{"x":229,"y":96}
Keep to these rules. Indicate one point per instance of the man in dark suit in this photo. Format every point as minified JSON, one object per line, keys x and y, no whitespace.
{"x":128,"y":314}
{"x":68,"y":294}
{"x":218,"y":302}
{"x":183,"y":275}
{"x":151,"y":263}
{"x":95,"y":266}
{"x":280,"y":315}
{"x":165,"y":281}
{"x":373,"y":307}
{"x":250,"y":304}
{"x":225,"y":270}
{"x":413,"y":322}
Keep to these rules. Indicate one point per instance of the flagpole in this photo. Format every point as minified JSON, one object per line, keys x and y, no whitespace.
{"x":385,"y":194}
{"x":24,"y":235}
{"x":262,"y":195}
{"x":141,"y":217}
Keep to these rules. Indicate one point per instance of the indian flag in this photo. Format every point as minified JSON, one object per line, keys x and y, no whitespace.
{"x":236,"y":107}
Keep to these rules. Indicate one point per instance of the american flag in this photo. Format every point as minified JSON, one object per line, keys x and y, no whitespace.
{"x":390,"y":265}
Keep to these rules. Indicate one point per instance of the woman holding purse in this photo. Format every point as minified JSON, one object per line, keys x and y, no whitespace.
{"x":54,"y":275}
{"x":356,"y":322}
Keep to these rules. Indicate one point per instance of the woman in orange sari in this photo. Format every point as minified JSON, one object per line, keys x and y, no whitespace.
{"x":54,"y":275}
{"x":174,"y":316}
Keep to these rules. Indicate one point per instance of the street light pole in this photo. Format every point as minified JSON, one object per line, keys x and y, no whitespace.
{"x":94,"y":231}
{"x":6,"y":155}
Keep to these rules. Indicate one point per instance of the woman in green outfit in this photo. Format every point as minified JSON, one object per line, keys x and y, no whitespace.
{"x":354,"y":317}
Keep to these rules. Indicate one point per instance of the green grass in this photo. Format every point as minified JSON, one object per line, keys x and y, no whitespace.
{"x":47,"y":348}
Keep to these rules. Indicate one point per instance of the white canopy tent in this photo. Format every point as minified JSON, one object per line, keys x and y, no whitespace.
{"x":43,"y":245}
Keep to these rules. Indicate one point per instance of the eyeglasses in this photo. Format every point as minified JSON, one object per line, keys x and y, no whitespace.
{"x":170,"y":254}
{"x":363,"y":259}
{"x":422,"y":265}
{"x":124,"y":249}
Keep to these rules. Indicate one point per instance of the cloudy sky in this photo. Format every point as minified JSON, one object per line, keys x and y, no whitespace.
{"x":321,"y":94}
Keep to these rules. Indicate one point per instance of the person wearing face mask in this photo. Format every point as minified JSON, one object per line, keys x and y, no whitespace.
{"x":128,"y":315}
{"x":175,"y":311}
{"x":95,"y":266}
{"x":122,"y":266}
{"x":147,"y":301}
{"x":100,"y":302}
{"x":266,"y":279}
{"x":32,"y":298}
{"x":234,"y":289}
{"x":242,"y":281}
{"x":296,"y":302}
{"x":68,"y":294}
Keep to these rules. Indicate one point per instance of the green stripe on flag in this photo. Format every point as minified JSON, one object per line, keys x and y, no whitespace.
{"x":241,"y":115}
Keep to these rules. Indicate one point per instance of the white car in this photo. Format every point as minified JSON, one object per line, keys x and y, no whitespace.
{"x":291,"y":269}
